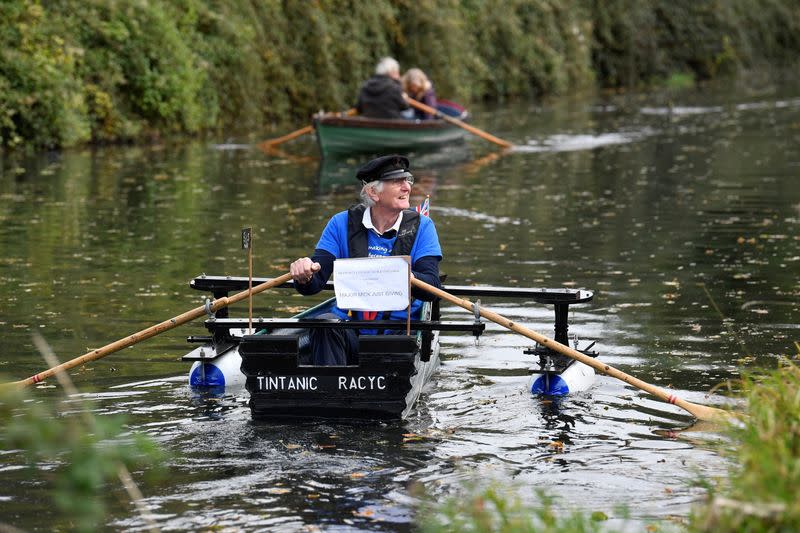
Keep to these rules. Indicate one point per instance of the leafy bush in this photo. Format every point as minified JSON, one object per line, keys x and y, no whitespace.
{"x":41,"y":102}
{"x":761,"y":491}
{"x":75,"y":71}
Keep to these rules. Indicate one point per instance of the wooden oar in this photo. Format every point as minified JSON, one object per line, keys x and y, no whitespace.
{"x":701,"y":412}
{"x":152,"y":331}
{"x":475,"y":131}
{"x":265,"y":145}
{"x":270,"y":143}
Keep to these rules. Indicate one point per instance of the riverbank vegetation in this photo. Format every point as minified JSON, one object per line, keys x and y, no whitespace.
{"x":73,"y":72}
{"x":74,"y":456}
{"x":759,"y":494}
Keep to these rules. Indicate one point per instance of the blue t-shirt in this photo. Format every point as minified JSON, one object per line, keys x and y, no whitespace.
{"x":334,"y":241}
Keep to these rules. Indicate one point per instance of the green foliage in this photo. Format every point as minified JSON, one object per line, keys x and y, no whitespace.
{"x":138,"y":67}
{"x":497,"y":508}
{"x":761,"y":492}
{"x":639,"y":43}
{"x":89,"y":450}
{"x":107,"y":71}
{"x":40,"y":98}
{"x":530,"y":48}
{"x":680,"y":80}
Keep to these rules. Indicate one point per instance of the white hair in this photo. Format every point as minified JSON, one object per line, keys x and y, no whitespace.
{"x":376,"y":185}
{"x":386,"y":66}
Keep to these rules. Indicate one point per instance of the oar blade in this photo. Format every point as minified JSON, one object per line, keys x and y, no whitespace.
{"x":472,"y":129}
{"x":706,"y":413}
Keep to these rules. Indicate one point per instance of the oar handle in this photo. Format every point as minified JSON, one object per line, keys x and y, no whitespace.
{"x":288,"y":137}
{"x":459,"y":123}
{"x":700,"y":411}
{"x":271,"y":143}
{"x":152,"y":331}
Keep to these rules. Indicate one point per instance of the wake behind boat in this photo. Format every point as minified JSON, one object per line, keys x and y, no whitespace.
{"x":273,"y":362}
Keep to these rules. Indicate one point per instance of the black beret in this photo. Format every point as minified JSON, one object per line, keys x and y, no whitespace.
{"x":387,"y":167}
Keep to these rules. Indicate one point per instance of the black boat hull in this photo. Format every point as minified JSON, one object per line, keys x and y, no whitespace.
{"x":391,"y":371}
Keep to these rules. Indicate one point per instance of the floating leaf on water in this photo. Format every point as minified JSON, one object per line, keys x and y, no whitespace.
{"x":412,"y":437}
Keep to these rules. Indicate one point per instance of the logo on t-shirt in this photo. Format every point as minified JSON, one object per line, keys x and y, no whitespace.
{"x":378,"y":250}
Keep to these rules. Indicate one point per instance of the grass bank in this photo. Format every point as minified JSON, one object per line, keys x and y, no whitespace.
{"x":760,"y":493}
{"x":73,"y":72}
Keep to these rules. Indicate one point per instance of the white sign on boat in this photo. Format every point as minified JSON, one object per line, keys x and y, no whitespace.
{"x":372,"y":283}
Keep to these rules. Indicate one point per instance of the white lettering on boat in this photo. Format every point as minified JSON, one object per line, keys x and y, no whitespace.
{"x":313,"y":383}
{"x":287,"y":382}
{"x":362,"y":383}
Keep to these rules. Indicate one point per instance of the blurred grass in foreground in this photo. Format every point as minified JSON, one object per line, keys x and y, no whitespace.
{"x":92,"y":455}
{"x":498,"y":508}
{"x":760,"y":493}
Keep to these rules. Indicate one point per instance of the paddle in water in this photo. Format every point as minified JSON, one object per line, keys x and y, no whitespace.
{"x":701,"y":412}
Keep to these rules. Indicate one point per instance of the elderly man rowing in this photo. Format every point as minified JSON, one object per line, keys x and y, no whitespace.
{"x":382,"y":224}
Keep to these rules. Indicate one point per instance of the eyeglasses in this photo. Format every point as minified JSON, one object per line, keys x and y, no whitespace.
{"x":398,"y":181}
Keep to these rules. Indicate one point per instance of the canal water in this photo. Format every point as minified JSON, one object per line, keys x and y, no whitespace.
{"x":679,"y":210}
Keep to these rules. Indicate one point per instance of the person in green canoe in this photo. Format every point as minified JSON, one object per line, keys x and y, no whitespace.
{"x":381,"y":96}
{"x":417,"y":85}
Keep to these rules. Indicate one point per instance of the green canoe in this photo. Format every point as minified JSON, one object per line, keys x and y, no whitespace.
{"x":339,"y":135}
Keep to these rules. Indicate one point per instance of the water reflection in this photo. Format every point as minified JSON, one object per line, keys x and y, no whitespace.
{"x":340,"y":172}
{"x":270,"y":474}
{"x":683,"y":223}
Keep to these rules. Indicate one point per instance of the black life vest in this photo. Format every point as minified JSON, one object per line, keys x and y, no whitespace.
{"x":357,"y":236}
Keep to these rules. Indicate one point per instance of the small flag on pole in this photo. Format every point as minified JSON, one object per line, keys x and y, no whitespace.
{"x":247,"y":244}
{"x":424,"y":208}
